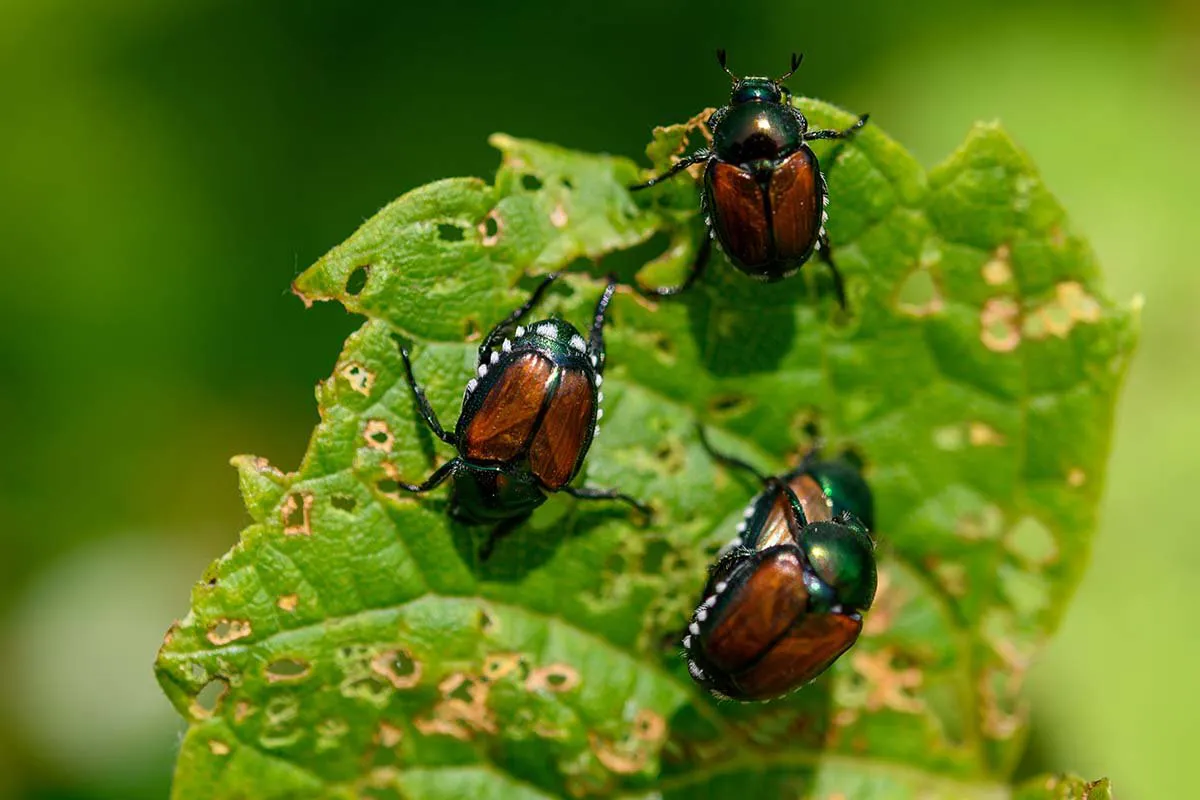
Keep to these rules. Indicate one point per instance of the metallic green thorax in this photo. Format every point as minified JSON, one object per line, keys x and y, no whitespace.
{"x":843,"y":484}
{"x":843,"y":558}
{"x":755,"y":90}
{"x":757,"y":131}
{"x":839,"y":553}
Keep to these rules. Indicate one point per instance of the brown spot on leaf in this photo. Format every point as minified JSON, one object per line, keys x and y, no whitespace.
{"x":378,"y":435}
{"x":998,"y":723}
{"x":296,"y":515}
{"x":845,"y":717}
{"x":981,"y":434}
{"x":499,"y":665}
{"x":287,"y":669}
{"x":218,"y":748}
{"x":951,"y":574}
{"x":209,"y":699}
{"x":1076,"y":478}
{"x":288,"y":602}
{"x":987,"y":523}
{"x":998,"y":270}
{"x":1071,"y":305}
{"x":224,"y":631}
{"x":649,"y":726}
{"x":554,"y":678}
{"x":558,"y":217}
{"x":241,"y":711}
{"x":399,"y":667}
{"x":887,"y":686}
{"x":623,"y":761}
{"x":490,"y":228}
{"x":918,"y":294}
{"x":463,"y":710}
{"x":998,"y":328}
{"x":547,"y":731}
{"x":389,"y":735}
{"x":437,"y":726}
{"x":888,"y":600}
{"x":359,"y":377}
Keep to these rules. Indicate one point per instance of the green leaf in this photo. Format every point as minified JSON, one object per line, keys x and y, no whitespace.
{"x":351,"y":645}
{"x":1064,"y":787}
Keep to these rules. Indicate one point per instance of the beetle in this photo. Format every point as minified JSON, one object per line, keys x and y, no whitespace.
{"x":785,"y":599}
{"x":528,"y":417}
{"x":764,"y":195}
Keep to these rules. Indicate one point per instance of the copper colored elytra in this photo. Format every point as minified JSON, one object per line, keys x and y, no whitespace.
{"x":528,"y":418}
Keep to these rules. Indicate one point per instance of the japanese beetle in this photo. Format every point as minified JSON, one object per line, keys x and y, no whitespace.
{"x":528,"y":418}
{"x":764,"y":195}
{"x":785,"y":599}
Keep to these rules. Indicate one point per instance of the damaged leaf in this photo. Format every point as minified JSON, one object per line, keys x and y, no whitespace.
{"x":355,"y":647}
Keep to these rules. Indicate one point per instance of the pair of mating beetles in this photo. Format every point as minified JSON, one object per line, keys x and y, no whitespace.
{"x":785,"y":598}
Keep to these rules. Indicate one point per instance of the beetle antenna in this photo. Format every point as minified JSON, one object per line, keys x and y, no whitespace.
{"x":721,"y":61}
{"x":797,"y":510}
{"x":727,"y":460}
{"x":796,"y":59}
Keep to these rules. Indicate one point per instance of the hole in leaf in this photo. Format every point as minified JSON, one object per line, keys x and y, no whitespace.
{"x":649,"y":726}
{"x":729,"y":405}
{"x":450,"y":233}
{"x":224,"y":631}
{"x":555,"y":677}
{"x":378,"y":435}
{"x":670,"y":456}
{"x":343,"y":502}
{"x":294,"y":514}
{"x":287,"y":669}
{"x":398,"y":663}
{"x":490,"y":228}
{"x":918,"y":294}
{"x":358,"y":280}
{"x":664,"y":347}
{"x":531,"y":182}
{"x":209,"y":698}
{"x":388,"y":486}
{"x":461,"y":692}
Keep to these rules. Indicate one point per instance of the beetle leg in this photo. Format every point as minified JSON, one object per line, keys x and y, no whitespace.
{"x":423,"y":406}
{"x":842,"y":134}
{"x":698,"y":266}
{"x":596,"y":337}
{"x":433,"y":481}
{"x":592,"y":493}
{"x":797,"y":521}
{"x":676,"y":168}
{"x":848,"y":519}
{"x":500,"y":331}
{"x":838,"y":286}
{"x":725,"y":459}
{"x":497,"y":533}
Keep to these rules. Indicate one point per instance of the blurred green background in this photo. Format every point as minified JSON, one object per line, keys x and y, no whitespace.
{"x":167,"y":168}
